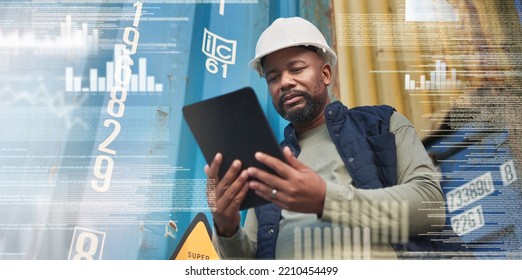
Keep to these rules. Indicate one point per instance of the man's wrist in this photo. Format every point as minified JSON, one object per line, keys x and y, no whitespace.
{"x":227,"y":233}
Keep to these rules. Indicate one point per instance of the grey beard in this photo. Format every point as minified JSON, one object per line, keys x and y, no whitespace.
{"x":312,"y":108}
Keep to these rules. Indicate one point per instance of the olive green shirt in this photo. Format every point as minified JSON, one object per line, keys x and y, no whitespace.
{"x":356,"y":223}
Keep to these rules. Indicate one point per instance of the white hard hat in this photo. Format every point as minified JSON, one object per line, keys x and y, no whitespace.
{"x":290,"y":32}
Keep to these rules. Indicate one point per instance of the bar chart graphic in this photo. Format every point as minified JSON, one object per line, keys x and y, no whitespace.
{"x":73,"y":40}
{"x":139,"y":83}
{"x":439,"y":79}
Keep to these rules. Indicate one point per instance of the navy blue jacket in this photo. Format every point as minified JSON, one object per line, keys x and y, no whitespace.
{"x":367,"y":147}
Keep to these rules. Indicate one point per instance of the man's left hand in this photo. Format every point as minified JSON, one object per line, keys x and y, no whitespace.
{"x":296,"y":187}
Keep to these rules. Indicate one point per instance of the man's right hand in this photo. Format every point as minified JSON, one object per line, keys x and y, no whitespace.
{"x":225,"y":195}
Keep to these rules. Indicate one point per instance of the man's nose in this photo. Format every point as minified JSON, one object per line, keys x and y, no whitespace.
{"x":287,"y":81}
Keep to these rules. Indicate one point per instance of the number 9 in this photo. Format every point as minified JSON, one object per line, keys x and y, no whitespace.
{"x":106,"y":177}
{"x":135,"y":38}
{"x":480,"y":188}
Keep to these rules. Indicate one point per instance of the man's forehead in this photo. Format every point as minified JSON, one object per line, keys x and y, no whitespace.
{"x":287,"y":57}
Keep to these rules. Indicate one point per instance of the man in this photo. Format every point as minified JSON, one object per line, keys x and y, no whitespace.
{"x":353,"y":165}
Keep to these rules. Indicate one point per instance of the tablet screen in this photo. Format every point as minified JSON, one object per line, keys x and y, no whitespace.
{"x":234,"y":125}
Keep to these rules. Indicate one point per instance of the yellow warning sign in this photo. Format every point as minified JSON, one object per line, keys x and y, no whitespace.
{"x":196,"y":243}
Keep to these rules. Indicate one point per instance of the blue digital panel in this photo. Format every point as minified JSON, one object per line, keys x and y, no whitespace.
{"x":481,"y":188}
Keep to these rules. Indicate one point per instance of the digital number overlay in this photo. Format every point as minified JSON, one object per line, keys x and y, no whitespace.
{"x":104,"y":164}
{"x":470,"y":192}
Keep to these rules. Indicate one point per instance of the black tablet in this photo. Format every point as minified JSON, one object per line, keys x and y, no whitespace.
{"x":234,"y":125}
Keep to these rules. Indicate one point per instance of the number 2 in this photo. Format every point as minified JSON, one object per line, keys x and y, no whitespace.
{"x":103,"y":145}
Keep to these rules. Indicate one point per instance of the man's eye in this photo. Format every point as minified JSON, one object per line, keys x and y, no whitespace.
{"x":272,"y":78}
{"x":297,"y":69}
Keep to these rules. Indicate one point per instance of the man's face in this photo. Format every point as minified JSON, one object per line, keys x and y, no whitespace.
{"x":297,"y":79}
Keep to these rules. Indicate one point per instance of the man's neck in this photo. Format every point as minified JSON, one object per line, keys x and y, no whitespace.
{"x":302,"y":127}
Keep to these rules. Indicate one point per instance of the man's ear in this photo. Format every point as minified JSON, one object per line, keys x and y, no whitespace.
{"x":327,"y":74}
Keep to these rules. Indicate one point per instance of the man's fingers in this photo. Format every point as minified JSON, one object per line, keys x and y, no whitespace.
{"x":231,"y":191}
{"x":233,"y":195}
{"x":269,"y":193}
{"x":233,"y":205}
{"x":213,"y":170}
{"x":292,"y":161}
{"x":281,"y":168}
{"x":229,"y":177}
{"x":211,"y":194}
{"x":226,"y":194}
{"x":261,"y":189}
{"x":212,"y":177}
{"x":265,"y":177}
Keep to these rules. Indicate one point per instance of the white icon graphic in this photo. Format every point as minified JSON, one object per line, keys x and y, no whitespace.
{"x":219,"y":50}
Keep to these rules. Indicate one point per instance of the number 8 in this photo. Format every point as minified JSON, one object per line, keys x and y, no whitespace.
{"x":509,"y":173}
{"x":80,"y":243}
{"x":119,"y":101}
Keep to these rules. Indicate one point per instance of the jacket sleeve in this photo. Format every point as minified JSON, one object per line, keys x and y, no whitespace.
{"x":417,"y":195}
{"x":243,"y":244}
